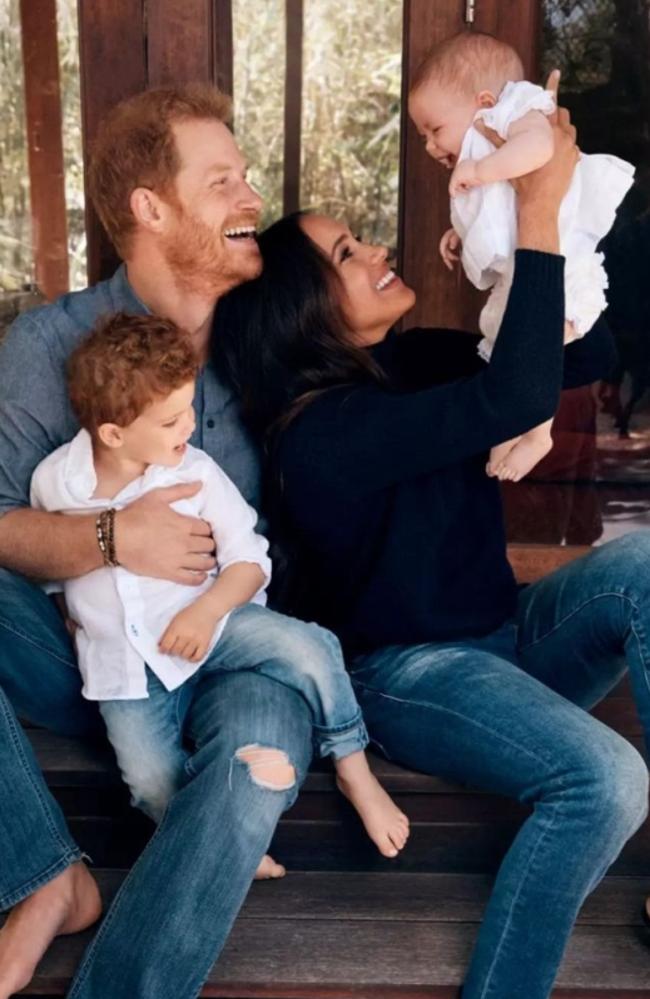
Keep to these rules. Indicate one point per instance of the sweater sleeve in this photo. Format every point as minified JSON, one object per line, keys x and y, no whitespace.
{"x":357,"y":440}
{"x":590,"y":358}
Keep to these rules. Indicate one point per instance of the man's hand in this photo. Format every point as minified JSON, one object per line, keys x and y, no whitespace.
{"x":464,"y":178}
{"x":151,"y":539}
{"x":450,"y":246}
{"x":189,"y":633}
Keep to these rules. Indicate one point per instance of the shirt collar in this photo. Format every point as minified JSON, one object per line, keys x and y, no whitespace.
{"x":79,"y":471}
{"x":123,"y":297}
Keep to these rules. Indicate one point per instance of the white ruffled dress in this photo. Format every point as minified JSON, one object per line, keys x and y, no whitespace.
{"x":485,"y":219}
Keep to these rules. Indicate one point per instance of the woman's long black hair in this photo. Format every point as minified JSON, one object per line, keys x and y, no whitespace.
{"x":281,"y":339}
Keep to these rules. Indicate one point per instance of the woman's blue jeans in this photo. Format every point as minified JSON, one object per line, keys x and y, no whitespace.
{"x":175,"y":909}
{"x":505,"y":713}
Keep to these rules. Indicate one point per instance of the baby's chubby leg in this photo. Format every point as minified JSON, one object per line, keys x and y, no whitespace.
{"x":510,"y":461}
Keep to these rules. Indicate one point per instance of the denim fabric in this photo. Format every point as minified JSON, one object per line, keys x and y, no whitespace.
{"x":497,"y":713}
{"x":190,"y":881}
{"x":147,"y":734}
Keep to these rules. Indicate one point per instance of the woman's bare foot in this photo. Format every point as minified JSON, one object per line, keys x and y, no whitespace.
{"x":67,"y":904}
{"x":386,"y":825}
{"x":268,"y":869}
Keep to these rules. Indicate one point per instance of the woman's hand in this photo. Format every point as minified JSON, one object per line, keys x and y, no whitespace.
{"x":552,"y":180}
{"x":540,"y":193}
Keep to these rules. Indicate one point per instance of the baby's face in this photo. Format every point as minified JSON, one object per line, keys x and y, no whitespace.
{"x":442,"y":116}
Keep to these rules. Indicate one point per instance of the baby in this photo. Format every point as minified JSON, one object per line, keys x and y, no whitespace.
{"x":143,"y":642}
{"x":467,"y":85}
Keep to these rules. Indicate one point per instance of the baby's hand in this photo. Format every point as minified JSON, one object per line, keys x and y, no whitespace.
{"x":450,"y":246}
{"x":189,"y":634}
{"x":464,"y":177}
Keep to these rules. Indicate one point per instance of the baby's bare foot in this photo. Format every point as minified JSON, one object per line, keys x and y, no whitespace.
{"x":523,"y":458}
{"x":67,"y":904}
{"x":386,"y":825}
{"x":268,"y":869}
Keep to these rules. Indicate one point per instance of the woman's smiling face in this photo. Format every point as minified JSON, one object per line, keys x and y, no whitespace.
{"x":374,"y":297}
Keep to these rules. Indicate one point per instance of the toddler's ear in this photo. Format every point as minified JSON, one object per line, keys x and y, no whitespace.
{"x":486,"y":99}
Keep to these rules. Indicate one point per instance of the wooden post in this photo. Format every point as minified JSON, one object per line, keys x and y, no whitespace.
{"x":293,"y":106}
{"x":112,"y":66}
{"x":128,"y":45}
{"x":45,"y":146}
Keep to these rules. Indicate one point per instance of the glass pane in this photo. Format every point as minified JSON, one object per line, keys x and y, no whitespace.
{"x":16,"y":265}
{"x":351,"y":106}
{"x":595,"y":484}
{"x":259,"y":61}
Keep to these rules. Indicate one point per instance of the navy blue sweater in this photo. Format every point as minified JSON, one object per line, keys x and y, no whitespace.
{"x":384,"y":489}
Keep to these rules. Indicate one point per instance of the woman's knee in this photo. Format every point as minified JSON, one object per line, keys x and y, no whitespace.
{"x":617,"y":786}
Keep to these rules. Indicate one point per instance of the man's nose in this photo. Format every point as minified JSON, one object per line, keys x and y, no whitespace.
{"x":249,"y":199}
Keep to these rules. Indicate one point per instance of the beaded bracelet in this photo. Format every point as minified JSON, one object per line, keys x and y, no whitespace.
{"x":105,"y":529}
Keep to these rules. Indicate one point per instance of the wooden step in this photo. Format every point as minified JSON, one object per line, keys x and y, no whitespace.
{"x":453,"y":828}
{"x":375,"y":936}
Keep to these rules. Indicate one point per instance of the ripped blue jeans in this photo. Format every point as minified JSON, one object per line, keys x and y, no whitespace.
{"x":147,"y":734}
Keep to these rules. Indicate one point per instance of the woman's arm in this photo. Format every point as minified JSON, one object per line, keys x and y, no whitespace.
{"x":358,"y":440}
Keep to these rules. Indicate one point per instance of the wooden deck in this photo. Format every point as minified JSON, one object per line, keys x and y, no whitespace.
{"x":346,"y":924}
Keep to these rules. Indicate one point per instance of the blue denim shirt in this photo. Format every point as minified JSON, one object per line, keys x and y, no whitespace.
{"x":35,"y":413}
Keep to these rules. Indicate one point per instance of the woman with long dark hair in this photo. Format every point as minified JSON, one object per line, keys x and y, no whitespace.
{"x":376,"y":446}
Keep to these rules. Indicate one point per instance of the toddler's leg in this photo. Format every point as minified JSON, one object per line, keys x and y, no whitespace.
{"x":308,"y":659}
{"x":147,"y":736}
{"x":386,"y":825}
{"x":148,"y":742}
{"x":510,"y":461}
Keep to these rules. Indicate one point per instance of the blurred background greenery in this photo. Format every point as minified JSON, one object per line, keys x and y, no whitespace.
{"x":350,"y":119}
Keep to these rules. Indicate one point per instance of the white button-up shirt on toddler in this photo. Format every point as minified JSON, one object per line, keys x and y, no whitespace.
{"x":122,"y":616}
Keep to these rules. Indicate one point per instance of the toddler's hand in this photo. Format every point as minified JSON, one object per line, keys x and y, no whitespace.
{"x":188,"y":634}
{"x":450,"y":246}
{"x":464,"y":177}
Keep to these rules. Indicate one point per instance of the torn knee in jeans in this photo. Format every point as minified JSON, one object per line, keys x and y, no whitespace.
{"x":268,"y":768}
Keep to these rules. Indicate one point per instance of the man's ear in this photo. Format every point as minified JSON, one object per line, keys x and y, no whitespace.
{"x":486,"y":99}
{"x":110,"y":435}
{"x":148,"y":210}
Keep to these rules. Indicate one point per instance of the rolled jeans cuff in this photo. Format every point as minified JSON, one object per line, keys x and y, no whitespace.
{"x":341,"y":740}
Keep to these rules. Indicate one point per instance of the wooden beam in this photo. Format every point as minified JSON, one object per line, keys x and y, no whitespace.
{"x":45,"y":146}
{"x":222,"y":39}
{"x":178,"y":41}
{"x":112,"y":66}
{"x":293,"y":105}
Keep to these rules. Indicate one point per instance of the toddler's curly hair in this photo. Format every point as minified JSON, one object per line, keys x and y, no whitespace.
{"x":124,"y":364}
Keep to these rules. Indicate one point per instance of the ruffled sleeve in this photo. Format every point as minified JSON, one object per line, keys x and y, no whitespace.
{"x":515,"y":101}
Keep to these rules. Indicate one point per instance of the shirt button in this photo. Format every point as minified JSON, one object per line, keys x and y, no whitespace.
{"x":209,"y":424}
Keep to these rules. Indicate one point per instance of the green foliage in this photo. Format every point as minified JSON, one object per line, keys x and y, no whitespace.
{"x":350,"y":108}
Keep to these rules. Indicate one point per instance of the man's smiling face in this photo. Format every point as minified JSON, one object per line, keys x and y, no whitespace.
{"x":209,"y":238}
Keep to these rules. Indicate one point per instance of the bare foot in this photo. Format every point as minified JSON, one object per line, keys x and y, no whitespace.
{"x":523,"y":457}
{"x":67,"y":904}
{"x":268,"y":869}
{"x":386,"y":825}
{"x":498,"y":454}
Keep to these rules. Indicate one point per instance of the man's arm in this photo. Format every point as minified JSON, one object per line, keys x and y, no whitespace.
{"x":35,"y":419}
{"x":151,"y":539}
